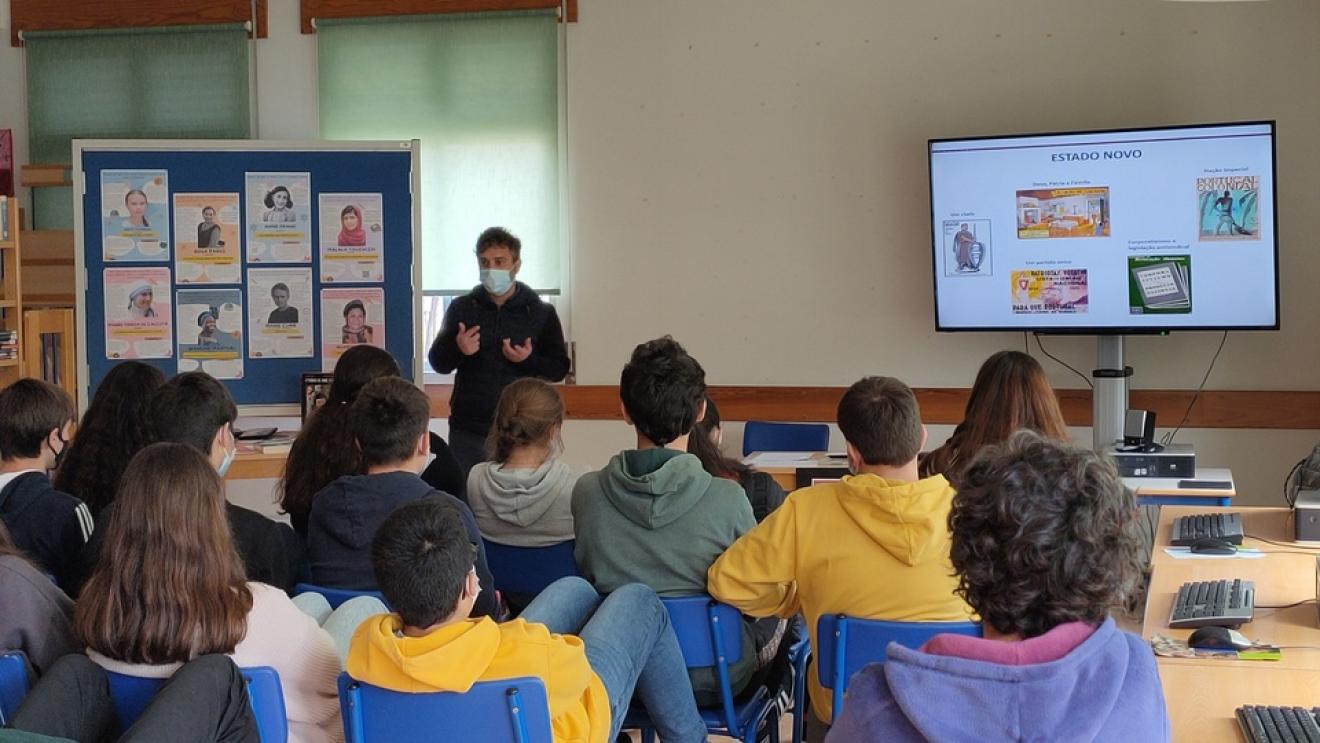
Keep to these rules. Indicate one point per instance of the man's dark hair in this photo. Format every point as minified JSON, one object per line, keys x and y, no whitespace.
{"x":1043,"y":534}
{"x":498,"y":236}
{"x":880,"y":418}
{"x":29,"y":410}
{"x":189,"y":409}
{"x":388,"y":417}
{"x":420,"y":556}
{"x":662,"y":388}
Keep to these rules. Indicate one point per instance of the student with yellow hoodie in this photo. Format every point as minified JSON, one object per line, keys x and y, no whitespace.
{"x":424,"y":565}
{"x":874,"y":545}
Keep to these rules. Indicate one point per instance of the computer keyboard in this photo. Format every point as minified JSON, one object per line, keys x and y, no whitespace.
{"x":1220,"y":603}
{"x":1278,"y":724}
{"x":1188,"y":529}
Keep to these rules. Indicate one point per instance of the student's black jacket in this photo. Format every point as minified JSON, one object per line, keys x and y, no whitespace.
{"x":482,"y":376}
{"x":49,"y":526}
{"x":345,"y":517}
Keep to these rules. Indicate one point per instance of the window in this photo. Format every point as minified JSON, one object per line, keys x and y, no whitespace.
{"x":163,"y":83}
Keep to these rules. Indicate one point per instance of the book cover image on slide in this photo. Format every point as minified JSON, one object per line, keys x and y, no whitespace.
{"x":1228,"y":207}
{"x":1160,"y":285}
{"x":1051,"y":291}
{"x":1063,"y":212}
{"x":967,"y":247}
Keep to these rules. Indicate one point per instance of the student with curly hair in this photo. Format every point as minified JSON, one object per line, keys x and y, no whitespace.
{"x":1046,"y":543}
{"x":112,"y":430}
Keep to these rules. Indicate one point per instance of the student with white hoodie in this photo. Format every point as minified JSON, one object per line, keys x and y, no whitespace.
{"x":524,"y":497}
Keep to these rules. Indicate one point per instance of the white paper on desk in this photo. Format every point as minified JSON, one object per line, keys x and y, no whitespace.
{"x":1185,"y":553}
{"x":782,"y":459}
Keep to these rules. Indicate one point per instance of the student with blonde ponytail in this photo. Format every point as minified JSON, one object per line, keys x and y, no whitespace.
{"x":524,"y":496}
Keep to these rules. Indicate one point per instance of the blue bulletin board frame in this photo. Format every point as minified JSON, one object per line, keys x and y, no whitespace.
{"x":269,"y":386}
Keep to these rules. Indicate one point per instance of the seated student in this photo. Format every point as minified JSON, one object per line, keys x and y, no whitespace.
{"x":525,"y":496}
{"x":37,"y":616}
{"x":389,"y":422}
{"x":762,"y":491}
{"x":204,"y":701}
{"x":324,"y":450}
{"x":170,"y":587}
{"x":624,"y":643}
{"x":653,"y":515}
{"x":195,"y":409}
{"x":1011,"y":392}
{"x":1046,"y":542}
{"x":874,"y":545}
{"x":112,"y":430}
{"x":49,"y":526}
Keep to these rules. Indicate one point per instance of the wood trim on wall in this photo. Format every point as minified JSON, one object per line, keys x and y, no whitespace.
{"x":1265,"y":409}
{"x":78,"y":15}
{"x":315,"y":9}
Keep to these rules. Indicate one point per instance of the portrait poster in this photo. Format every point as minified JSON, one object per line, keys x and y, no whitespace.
{"x":137,"y":313}
{"x":206,"y":238}
{"x":210,"y":331}
{"x":350,"y":317}
{"x":135,"y":215}
{"x":280,"y":313}
{"x":352,"y":238}
{"x":279,"y":217}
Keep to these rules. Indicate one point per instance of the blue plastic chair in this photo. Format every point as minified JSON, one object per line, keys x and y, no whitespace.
{"x":130,"y":696}
{"x":798,"y":656}
{"x":14,"y":684}
{"x":527,"y":571}
{"x":505,"y":711}
{"x":336,"y":596}
{"x":765,"y":436}
{"x":847,"y":644}
{"x":710,"y":634}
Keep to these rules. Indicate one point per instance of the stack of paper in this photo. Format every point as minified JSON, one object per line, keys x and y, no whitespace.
{"x":1163,"y":286}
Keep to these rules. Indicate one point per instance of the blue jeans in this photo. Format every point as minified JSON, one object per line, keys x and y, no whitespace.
{"x":631,"y":646}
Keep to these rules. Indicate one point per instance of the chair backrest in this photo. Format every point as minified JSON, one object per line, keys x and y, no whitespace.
{"x":709,"y":634}
{"x":765,"y":436}
{"x":508,"y":710}
{"x":846,"y":644}
{"x":14,"y":684}
{"x":528,"y":570}
{"x":336,"y":596}
{"x":131,"y":695}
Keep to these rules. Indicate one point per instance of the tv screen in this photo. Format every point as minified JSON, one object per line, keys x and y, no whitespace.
{"x":1125,"y":231}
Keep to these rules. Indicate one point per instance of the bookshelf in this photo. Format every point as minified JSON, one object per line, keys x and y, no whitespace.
{"x":11,"y":298}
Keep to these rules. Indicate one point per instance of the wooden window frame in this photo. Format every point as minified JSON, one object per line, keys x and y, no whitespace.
{"x":312,"y":10}
{"x":82,"y":15}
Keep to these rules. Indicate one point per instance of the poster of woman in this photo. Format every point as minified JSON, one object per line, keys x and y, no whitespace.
{"x":206,"y":236}
{"x":214,"y":343}
{"x":352,"y":238}
{"x":135,"y":215}
{"x":350,"y":317}
{"x":137,"y":313}
{"x":279,"y":217}
{"x":280,"y":313}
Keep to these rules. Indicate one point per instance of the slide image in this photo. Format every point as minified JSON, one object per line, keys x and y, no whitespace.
{"x":1063,"y":212}
{"x":1228,"y":208}
{"x":967,"y":247}
{"x":1160,"y":284}
{"x":1053,"y":291}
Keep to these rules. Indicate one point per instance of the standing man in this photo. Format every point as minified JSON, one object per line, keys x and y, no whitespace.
{"x":496,"y":333}
{"x":963,"y":242}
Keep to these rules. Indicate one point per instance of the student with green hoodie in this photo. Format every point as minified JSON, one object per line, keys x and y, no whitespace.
{"x":654,"y":515}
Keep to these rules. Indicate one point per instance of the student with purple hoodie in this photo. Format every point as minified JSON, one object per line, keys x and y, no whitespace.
{"x":1045,"y":543}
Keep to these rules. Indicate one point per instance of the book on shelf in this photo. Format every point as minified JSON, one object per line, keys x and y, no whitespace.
{"x":6,"y":162}
{"x":4,"y":218}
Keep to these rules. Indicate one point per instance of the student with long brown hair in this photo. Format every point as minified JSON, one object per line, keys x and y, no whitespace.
{"x":763,"y":492}
{"x":37,"y":616}
{"x":524,"y":496}
{"x":170,"y":586}
{"x":1011,"y":393}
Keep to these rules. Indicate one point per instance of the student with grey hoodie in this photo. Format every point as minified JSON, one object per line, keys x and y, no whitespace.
{"x":524,"y":498}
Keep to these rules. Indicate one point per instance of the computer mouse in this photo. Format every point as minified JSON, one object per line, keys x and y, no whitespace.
{"x":1212,"y":546}
{"x":1218,"y":638}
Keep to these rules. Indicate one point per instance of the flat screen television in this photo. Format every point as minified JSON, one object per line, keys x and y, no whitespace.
{"x":1120,"y":231}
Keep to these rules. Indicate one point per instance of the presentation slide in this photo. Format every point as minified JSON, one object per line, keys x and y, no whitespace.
{"x":1157,"y":229}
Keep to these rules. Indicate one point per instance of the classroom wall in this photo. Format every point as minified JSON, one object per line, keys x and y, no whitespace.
{"x":750,"y":176}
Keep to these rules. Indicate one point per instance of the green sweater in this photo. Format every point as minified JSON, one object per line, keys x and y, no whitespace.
{"x":654,"y":516}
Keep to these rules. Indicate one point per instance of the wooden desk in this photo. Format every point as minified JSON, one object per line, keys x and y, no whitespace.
{"x":255,"y":465}
{"x":1164,"y":491}
{"x":1201,"y":694}
{"x":786,"y":474}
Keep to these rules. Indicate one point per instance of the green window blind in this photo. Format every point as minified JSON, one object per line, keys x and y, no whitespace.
{"x":167,"y":83}
{"x":481,"y":92}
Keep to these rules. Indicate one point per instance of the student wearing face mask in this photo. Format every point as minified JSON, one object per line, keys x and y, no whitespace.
{"x":49,"y":526}
{"x":498,"y":332}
